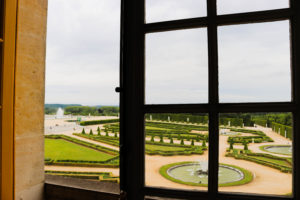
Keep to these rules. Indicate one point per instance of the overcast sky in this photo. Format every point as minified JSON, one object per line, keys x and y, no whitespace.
{"x":82,"y":63}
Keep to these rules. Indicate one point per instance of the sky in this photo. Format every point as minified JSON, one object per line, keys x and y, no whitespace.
{"x":82,"y":61}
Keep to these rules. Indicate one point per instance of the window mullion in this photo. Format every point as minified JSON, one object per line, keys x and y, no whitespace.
{"x":213,"y":98}
{"x":295,"y":47}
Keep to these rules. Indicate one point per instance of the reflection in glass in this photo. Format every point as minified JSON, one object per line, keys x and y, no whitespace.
{"x":254,"y":62}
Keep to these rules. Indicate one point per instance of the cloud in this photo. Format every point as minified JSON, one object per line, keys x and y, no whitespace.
{"x":82,"y":63}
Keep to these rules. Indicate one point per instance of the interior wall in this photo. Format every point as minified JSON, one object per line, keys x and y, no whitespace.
{"x":29,"y":99}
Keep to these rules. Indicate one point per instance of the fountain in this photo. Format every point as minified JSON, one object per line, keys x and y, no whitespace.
{"x":59,"y":113}
{"x":196,"y":173}
{"x":278,"y":149}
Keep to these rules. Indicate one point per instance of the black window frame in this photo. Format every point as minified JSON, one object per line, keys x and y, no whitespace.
{"x":133,"y":107}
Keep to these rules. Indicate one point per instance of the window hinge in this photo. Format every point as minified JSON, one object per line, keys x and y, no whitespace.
{"x":123,"y":195}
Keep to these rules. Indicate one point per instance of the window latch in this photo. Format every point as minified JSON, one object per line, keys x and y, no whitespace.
{"x":119,"y":89}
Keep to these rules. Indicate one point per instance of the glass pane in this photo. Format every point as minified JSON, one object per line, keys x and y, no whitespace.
{"x":236,"y":6}
{"x":176,"y":151}
{"x":81,"y":107}
{"x":176,"y":67}
{"x":254,"y":62}
{"x":166,"y":10}
{"x":256,"y":153}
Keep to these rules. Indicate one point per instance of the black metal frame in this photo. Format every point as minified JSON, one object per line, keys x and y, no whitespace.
{"x":133,"y":108}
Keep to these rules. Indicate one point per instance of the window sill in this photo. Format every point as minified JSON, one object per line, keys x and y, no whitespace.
{"x":59,"y":188}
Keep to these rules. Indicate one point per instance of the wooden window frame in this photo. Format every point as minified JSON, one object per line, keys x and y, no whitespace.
{"x":133,"y":107}
{"x":8,"y":40}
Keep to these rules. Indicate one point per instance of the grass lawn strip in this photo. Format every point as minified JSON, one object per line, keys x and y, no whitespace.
{"x":67,"y":151}
{"x":248,"y":177}
{"x":278,"y":162}
{"x":59,"y":149}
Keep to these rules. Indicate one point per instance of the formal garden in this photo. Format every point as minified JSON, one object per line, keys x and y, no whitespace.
{"x":172,"y":135}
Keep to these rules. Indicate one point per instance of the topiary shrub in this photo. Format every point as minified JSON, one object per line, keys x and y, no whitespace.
{"x":192,"y":143}
{"x":203,"y":143}
{"x":98,"y":129}
{"x":161,"y":139}
{"x":83,"y":131}
{"x":245,"y":146}
{"x":171,"y":141}
{"x":182,"y":142}
{"x":152,"y":138}
{"x":91,"y":132}
{"x":231,"y":145}
{"x":116,"y":135}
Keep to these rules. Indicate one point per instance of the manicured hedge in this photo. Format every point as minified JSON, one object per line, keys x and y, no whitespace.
{"x":248,"y":131}
{"x":100,"y":176}
{"x":94,"y":122}
{"x":178,"y":117}
{"x":261,"y":122}
{"x":248,"y":155}
{"x":99,"y":138}
{"x":281,"y":129}
{"x":249,"y":139}
{"x":178,"y":127}
{"x":233,"y":121}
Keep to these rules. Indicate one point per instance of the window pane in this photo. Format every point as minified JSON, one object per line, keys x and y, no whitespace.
{"x":237,"y":6}
{"x":176,"y":67}
{"x":166,"y":10}
{"x":81,"y":110}
{"x":254,"y":62}
{"x":176,"y":151}
{"x":256,"y":152}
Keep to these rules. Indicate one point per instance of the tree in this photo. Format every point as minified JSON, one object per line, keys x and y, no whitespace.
{"x":99,"y":133}
{"x":203,"y":143}
{"x":152,"y":138}
{"x":182,"y":142}
{"x":245,"y":146}
{"x":116,"y":135}
{"x":106,"y":133}
{"x":192,"y":143}
{"x":91,"y":132}
{"x":171,"y":141}
{"x":231,"y":145}
{"x":98,"y":129}
{"x":83,"y":131}
{"x":161,"y":139}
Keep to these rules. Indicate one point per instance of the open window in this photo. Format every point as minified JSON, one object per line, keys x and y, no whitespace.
{"x":212,"y":80}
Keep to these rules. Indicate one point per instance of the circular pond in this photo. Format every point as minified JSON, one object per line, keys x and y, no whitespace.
{"x":196,"y":173}
{"x":279,"y":149}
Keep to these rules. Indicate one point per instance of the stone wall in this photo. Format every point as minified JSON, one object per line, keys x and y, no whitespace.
{"x":29,"y":99}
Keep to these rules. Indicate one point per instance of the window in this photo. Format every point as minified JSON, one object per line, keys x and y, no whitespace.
{"x":139,"y":81}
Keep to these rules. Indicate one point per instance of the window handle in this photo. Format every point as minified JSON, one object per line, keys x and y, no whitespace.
{"x":119,"y":89}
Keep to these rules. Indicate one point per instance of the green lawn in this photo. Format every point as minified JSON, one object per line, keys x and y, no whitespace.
{"x":275,"y":161}
{"x":59,"y":149}
{"x":163,"y":148}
